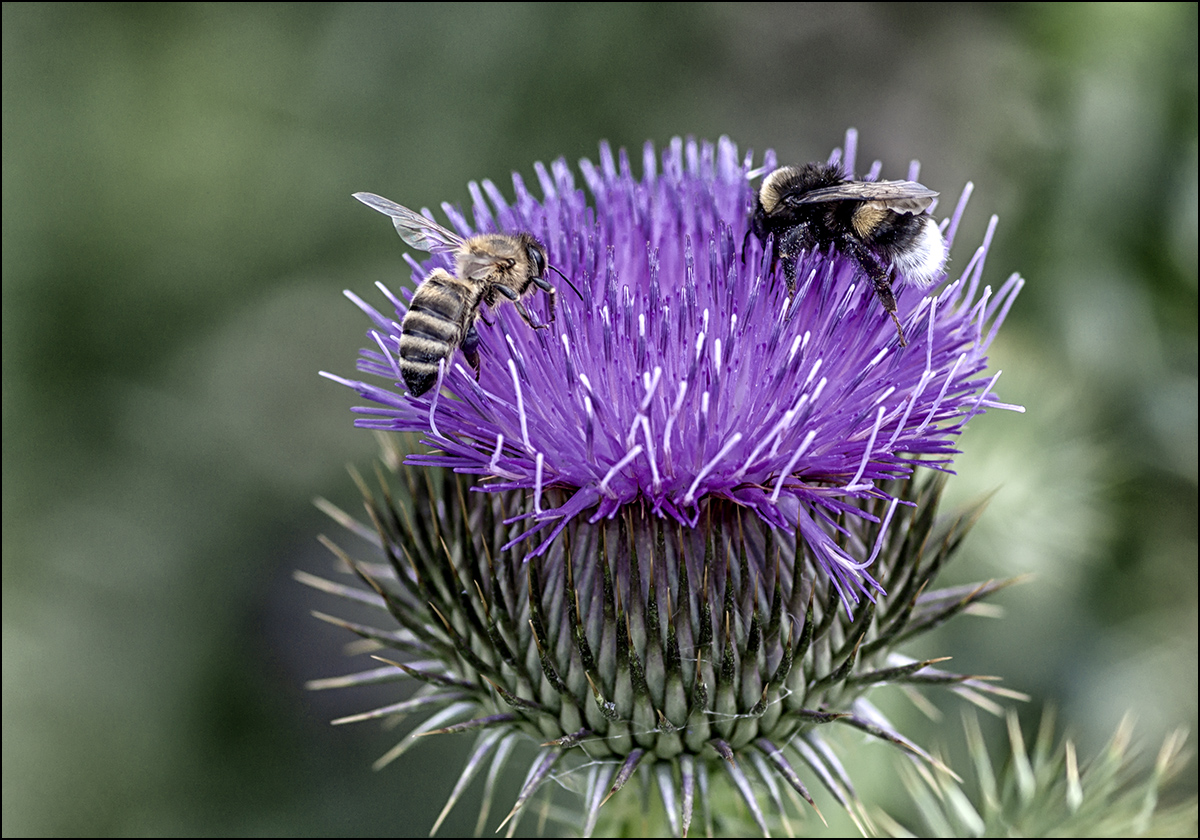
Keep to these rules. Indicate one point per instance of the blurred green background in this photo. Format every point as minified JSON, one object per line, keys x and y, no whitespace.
{"x":177,"y":230}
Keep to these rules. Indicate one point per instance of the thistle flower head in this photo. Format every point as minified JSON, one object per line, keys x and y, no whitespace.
{"x":686,"y":373}
{"x":691,"y":479}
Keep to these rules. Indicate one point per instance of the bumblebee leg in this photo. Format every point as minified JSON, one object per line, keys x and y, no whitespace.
{"x":470,"y":348}
{"x":789,"y":274}
{"x":788,"y":247}
{"x":883,"y":290}
{"x":899,"y":329}
{"x":882,"y":281}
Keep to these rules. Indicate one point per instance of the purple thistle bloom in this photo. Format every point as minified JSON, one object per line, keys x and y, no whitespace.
{"x":685,"y":373}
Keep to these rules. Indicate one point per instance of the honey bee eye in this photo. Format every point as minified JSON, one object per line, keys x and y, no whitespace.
{"x":539,"y":262}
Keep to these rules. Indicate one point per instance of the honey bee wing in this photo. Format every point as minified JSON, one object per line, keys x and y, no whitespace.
{"x":901,"y":196}
{"x":414,"y":228}
{"x":478,"y":266}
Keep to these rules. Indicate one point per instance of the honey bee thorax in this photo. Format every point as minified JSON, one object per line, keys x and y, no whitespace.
{"x":494,"y":258}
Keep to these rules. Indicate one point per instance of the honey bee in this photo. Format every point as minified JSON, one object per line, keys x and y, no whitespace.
{"x":445,"y":306}
{"x":881,"y":225}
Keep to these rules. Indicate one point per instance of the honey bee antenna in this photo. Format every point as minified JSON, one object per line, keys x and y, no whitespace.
{"x":568,"y":280}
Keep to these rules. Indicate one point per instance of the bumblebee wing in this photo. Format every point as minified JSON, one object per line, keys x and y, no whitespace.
{"x":902,"y":196}
{"x":414,"y":228}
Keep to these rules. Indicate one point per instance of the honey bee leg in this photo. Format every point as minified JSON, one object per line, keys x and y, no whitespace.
{"x":470,"y":348}
{"x":529,"y":318}
{"x":544,"y":284}
{"x":517,"y":302}
{"x":512,"y":295}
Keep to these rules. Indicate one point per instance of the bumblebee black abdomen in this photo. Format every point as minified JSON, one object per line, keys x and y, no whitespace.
{"x":431,"y":330}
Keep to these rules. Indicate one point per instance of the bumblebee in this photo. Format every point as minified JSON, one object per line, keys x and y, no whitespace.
{"x":442,"y":315}
{"x":881,"y":225}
